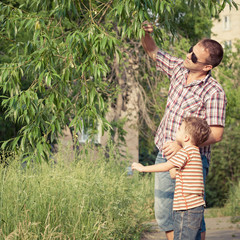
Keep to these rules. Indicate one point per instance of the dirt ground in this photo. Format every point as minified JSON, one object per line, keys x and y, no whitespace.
{"x":219,"y":228}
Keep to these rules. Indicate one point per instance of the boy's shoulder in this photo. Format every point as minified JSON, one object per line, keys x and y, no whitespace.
{"x":191,"y":148}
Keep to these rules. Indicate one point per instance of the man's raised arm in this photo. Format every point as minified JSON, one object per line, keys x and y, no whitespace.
{"x":148,"y":43}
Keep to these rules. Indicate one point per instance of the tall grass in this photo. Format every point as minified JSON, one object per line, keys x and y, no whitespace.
{"x":91,"y":198}
{"x":233,"y":202}
{"x":232,"y":206}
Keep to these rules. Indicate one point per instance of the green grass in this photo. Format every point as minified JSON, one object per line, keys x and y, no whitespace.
{"x":91,"y":198}
{"x":231,"y":208}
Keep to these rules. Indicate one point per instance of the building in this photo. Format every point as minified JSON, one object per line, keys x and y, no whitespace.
{"x":226,"y":29}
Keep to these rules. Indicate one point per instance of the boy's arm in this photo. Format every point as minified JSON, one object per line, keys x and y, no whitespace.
{"x":173,"y":172}
{"x":161,"y":167}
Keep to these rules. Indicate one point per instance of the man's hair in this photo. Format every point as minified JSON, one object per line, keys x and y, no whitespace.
{"x":198,"y":129}
{"x":214,"y":49}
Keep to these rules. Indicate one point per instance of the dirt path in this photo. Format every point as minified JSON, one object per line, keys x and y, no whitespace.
{"x":219,"y":228}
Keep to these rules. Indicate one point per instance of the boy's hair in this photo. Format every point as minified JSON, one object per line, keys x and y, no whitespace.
{"x":215,"y":51}
{"x":198,"y":128}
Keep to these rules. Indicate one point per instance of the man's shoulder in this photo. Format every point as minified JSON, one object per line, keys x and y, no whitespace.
{"x":212,"y":87}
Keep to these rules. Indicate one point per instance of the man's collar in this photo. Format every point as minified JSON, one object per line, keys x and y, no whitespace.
{"x":199,"y":81}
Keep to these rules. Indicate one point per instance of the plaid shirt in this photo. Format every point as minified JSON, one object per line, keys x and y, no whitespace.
{"x":204,"y":98}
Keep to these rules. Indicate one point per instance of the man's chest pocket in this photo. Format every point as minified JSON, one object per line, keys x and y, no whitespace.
{"x":192,"y":105}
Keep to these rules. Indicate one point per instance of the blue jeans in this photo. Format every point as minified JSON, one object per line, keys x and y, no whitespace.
{"x":187,"y":223}
{"x":163,"y":200}
{"x":164,"y":192}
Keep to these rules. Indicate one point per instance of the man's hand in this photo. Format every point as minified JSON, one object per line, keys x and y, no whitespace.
{"x":170,"y":148}
{"x":148,"y":43}
{"x":147,"y":27}
{"x":137,"y":166}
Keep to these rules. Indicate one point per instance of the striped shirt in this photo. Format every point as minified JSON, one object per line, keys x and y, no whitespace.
{"x":189,"y":188}
{"x":204,"y":98}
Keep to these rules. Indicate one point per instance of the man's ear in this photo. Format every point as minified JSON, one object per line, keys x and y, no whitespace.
{"x":207,"y":68}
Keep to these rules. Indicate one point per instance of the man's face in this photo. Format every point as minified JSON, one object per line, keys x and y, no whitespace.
{"x":197,"y":58}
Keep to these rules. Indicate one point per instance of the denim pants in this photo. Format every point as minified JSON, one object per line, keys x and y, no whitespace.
{"x":164,"y":193}
{"x":187,"y":223}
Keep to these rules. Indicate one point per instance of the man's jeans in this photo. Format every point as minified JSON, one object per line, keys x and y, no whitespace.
{"x":187,"y":223}
{"x":164,"y":192}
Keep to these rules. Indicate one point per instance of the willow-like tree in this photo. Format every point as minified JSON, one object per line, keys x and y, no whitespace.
{"x":56,"y":57}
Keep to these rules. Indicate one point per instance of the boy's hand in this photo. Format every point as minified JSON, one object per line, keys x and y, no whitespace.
{"x":147,"y":27}
{"x":173,"y":173}
{"x":137,"y":166}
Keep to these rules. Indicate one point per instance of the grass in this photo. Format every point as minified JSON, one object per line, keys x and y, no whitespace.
{"x":231,"y":208}
{"x":91,"y":198}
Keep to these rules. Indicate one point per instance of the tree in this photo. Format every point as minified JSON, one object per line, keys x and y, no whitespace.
{"x":56,"y":57}
{"x":225,"y":170}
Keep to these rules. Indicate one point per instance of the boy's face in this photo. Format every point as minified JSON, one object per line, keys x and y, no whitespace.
{"x":181,"y":134}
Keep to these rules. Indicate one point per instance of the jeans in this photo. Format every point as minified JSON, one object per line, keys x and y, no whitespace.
{"x":163,"y":200}
{"x":205,"y":164}
{"x":164,"y":192}
{"x":187,"y":223}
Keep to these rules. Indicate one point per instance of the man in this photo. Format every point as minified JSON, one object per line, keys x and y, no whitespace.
{"x":192,"y":92}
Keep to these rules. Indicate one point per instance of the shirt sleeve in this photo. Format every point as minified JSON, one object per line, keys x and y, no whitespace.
{"x":216,"y":109}
{"x":166,"y":63}
{"x":179,"y":159}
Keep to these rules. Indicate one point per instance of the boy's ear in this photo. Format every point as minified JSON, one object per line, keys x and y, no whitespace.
{"x":186,"y":138}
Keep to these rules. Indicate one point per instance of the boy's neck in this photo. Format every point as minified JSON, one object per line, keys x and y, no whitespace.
{"x":186,"y":144}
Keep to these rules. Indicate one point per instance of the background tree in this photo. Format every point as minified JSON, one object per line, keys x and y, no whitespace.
{"x":56,"y":57}
{"x":225,"y":171}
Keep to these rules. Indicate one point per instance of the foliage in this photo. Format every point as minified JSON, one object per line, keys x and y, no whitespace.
{"x":224,"y":167}
{"x":56,"y":56}
{"x":233,"y":202}
{"x":230,"y":208}
{"x":88,"y":199}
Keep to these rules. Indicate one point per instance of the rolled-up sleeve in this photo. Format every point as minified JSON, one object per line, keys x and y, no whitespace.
{"x":166,"y":63}
{"x":216,"y":109}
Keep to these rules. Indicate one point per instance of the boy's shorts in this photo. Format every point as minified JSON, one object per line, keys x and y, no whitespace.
{"x":187,"y":223}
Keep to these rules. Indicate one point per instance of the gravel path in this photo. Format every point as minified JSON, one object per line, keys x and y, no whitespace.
{"x":219,"y":228}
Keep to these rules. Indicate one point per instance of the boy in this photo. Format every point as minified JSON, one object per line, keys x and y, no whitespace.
{"x":188,"y":203}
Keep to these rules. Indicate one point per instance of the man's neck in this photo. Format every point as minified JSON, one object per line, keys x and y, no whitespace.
{"x":193,"y":76}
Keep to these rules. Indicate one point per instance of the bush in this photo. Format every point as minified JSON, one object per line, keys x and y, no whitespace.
{"x":224,"y":170}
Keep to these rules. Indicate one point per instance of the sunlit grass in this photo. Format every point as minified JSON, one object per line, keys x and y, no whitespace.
{"x":91,"y":198}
